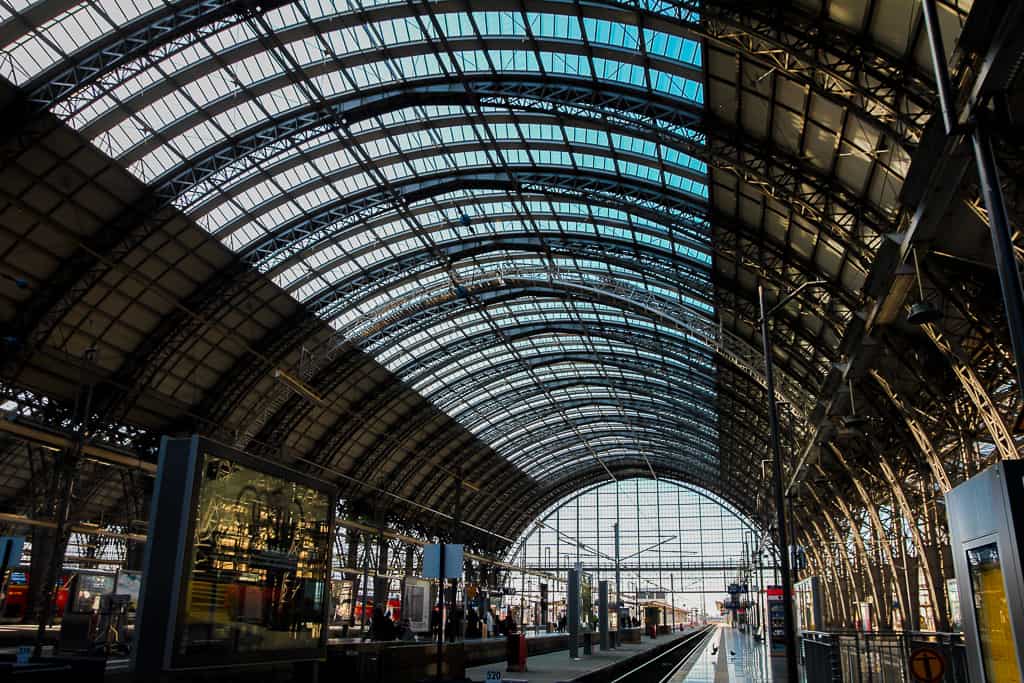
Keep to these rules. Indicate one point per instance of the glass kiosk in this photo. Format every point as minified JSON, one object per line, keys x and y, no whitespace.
{"x":986,"y":523}
{"x":237,"y":563}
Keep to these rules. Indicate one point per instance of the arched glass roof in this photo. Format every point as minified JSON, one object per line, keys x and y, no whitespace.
{"x":525,"y":209}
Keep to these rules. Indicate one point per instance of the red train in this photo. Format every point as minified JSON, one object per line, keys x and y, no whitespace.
{"x":17,"y":594}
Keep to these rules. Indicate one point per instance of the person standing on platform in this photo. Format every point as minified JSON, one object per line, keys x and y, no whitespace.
{"x":472,"y":624}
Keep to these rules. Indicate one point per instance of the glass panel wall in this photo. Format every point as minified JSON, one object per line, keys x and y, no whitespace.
{"x":679,"y":546}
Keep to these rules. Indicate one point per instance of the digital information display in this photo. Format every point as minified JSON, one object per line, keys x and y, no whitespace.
{"x":242,"y":571}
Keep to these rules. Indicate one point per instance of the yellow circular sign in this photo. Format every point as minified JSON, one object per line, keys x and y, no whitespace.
{"x":927,"y":665}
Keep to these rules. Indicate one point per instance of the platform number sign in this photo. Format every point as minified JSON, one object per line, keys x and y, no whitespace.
{"x":927,"y":665}
{"x":493,"y":676}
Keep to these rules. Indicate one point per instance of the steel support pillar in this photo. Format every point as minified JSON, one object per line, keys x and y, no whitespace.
{"x":792,"y":674}
{"x":991,"y":191}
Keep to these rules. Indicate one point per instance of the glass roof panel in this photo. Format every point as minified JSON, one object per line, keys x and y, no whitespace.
{"x":310,"y":139}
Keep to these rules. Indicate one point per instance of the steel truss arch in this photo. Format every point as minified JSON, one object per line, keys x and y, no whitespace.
{"x":449,"y":295}
{"x":811,"y":45}
{"x":730,"y":347}
{"x":648,"y":262}
{"x":833,"y":208}
{"x":676,"y":272}
{"x":630,"y":220}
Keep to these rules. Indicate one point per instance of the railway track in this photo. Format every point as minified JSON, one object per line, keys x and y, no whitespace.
{"x":662,"y":667}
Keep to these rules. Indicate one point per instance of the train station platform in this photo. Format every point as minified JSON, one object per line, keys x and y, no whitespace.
{"x":557,"y":667}
{"x":732,"y":656}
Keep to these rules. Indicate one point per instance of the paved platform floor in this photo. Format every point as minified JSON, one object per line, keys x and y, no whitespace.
{"x":710,"y":665}
{"x":738,"y":658}
{"x":556,"y":666}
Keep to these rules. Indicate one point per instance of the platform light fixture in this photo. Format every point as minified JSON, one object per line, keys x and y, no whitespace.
{"x":922,"y":312}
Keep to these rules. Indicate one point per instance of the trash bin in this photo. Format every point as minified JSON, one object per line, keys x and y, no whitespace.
{"x":515,"y":652}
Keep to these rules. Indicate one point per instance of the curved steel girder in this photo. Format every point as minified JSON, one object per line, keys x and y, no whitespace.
{"x":819,"y":54}
{"x":341,"y":436}
{"x":402,"y":273}
{"x":380,"y":402}
{"x":527,"y":361}
{"x":784,"y":178}
{"x":498,"y":414}
{"x":524,"y":364}
{"x":242,"y":180}
{"x":731,"y":348}
{"x":442,"y":150}
{"x":511,"y":176}
{"x":360,"y":206}
{"x":646,"y":260}
{"x":365,"y":283}
{"x":569,"y":450}
{"x":738,"y":440}
{"x":285,"y":130}
{"x":166,"y":190}
{"x":365,"y":278}
{"x":605,"y":405}
{"x":623,"y":415}
{"x":920,"y":435}
{"x":626,"y":107}
{"x":863,"y":556}
{"x":812,"y":49}
{"x":500,"y":420}
{"x":553,"y":442}
{"x":489,"y":340}
{"x":661,"y":401}
{"x":782,"y":254}
{"x":119,"y":55}
{"x":612,"y":393}
{"x":646,"y":403}
{"x":870,"y":507}
{"x":274,"y":83}
{"x":678,"y":350}
{"x":591,"y":368}
{"x":286,"y":329}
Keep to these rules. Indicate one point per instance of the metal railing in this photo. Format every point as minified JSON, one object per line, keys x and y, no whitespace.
{"x":857,"y":657}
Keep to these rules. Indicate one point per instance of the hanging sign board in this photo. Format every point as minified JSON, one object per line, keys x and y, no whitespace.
{"x":10,"y":550}
{"x":453,"y":560}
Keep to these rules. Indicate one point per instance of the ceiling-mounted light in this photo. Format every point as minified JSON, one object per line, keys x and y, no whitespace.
{"x":923,"y":312}
{"x":853,"y":420}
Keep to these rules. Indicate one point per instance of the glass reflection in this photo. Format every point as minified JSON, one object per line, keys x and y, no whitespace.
{"x":260,"y":563}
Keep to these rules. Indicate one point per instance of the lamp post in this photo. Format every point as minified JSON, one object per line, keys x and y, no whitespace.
{"x":792,"y":675}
